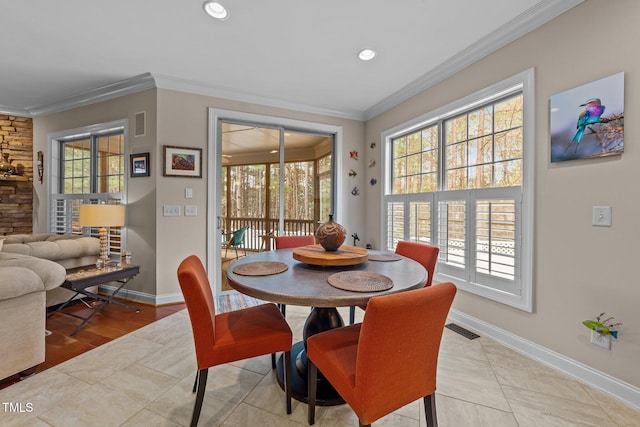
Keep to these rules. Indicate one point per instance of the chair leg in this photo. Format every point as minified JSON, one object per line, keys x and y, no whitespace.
{"x":195,"y":383}
{"x":286,"y":369}
{"x":352,"y":314}
{"x":202,"y":385}
{"x":312,"y":377}
{"x":283,"y":309}
{"x":430,"y":410}
{"x":273,"y":361}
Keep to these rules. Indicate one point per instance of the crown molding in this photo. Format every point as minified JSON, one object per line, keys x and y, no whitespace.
{"x":114,"y":90}
{"x":199,"y":88}
{"x":516,"y":28}
{"x":10,"y":111}
{"x":513,"y":30}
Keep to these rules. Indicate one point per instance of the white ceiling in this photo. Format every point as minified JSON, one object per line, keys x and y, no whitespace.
{"x":297,"y":54}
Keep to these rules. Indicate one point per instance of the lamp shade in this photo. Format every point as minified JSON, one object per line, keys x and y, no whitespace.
{"x":101,"y":215}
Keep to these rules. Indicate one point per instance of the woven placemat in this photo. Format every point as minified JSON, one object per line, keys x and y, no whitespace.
{"x":383,"y":256}
{"x":360,"y":281}
{"x":260,"y":268}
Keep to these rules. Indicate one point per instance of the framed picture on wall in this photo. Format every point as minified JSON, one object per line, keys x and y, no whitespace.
{"x":587,"y":121}
{"x":139,"y":165}
{"x":182,"y":161}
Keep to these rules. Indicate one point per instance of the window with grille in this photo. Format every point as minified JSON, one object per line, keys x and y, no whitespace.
{"x":456,"y":178}
{"x":88,"y":167}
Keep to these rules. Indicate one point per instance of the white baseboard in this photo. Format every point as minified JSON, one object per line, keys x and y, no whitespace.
{"x":605,"y":383}
{"x":143,"y":296}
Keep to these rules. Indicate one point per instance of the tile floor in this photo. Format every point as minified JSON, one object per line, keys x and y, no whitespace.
{"x":145,"y":379}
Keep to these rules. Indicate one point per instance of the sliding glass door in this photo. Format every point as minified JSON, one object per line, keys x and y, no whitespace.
{"x":274,"y":181}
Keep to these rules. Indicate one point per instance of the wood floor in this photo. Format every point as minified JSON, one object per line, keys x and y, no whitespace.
{"x":111,"y":323}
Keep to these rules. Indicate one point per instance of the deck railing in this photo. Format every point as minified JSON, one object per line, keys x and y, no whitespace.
{"x":257,"y":237}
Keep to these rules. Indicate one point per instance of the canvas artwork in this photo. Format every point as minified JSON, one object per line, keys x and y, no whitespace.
{"x":588,"y":121}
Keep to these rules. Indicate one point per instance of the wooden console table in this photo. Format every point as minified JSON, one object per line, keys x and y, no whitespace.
{"x":79,"y":279}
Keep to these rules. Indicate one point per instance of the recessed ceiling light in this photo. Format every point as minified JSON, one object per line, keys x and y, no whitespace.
{"x":215,"y":9}
{"x":366,"y":54}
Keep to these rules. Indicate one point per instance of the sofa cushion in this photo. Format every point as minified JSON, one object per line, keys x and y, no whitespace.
{"x":47,"y":274}
{"x":18,"y":281}
{"x":55,"y":247}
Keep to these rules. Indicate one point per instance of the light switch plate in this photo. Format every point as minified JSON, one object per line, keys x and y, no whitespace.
{"x":601,"y":216}
{"x":600,"y":340}
{"x":171,"y":210}
{"x":188,"y":193}
{"x":190,"y":210}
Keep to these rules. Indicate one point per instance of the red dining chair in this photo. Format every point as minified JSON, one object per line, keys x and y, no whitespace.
{"x":387,"y":361}
{"x":288,"y":242}
{"x":427,"y":255}
{"x":231,"y":336}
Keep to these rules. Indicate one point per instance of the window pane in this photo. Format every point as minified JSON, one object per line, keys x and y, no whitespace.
{"x":456,"y":130}
{"x":480,"y":122}
{"x":429,"y":183}
{"x":395,"y":224}
{"x":451,"y":232}
{"x":457,"y":155}
{"x":415,"y":143}
{"x":480,"y":177}
{"x":413,"y":184}
{"x":508,"y":174}
{"x":509,"y":145}
{"x":400,"y":167}
{"x":299,"y":200}
{"x":413,"y":164}
{"x":508,"y":113}
{"x":414,"y":156}
{"x":430,"y":138}
{"x":420,"y":222}
{"x":457,"y":179}
{"x":495,"y":238}
{"x":400,"y":147}
{"x":480,"y":151}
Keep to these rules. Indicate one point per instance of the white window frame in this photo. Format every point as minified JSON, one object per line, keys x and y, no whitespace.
{"x":520,"y":294}
{"x":53,"y":190}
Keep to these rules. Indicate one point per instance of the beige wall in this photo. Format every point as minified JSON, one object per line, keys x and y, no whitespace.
{"x":182,"y":121}
{"x":579,"y":270}
{"x":159,"y":243}
{"x":141,"y":192}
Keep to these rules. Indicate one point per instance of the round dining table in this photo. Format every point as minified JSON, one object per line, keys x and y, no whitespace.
{"x":305,"y":284}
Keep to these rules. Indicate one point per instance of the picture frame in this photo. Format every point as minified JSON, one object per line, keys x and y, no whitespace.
{"x":182,"y":161}
{"x":139,"y":164}
{"x":587,"y":122}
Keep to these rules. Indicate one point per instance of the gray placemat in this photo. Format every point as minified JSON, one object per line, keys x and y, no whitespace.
{"x":260,"y":268}
{"x":360,"y":281}
{"x":383,"y":256}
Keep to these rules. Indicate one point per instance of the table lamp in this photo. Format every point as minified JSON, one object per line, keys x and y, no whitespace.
{"x":103,"y":216}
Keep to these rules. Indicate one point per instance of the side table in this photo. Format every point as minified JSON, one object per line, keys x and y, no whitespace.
{"x":79,"y":279}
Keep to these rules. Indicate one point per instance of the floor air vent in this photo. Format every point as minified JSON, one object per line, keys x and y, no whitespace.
{"x":462,"y":331}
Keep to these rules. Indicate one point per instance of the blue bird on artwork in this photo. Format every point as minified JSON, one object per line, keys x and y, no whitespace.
{"x":593,"y":109}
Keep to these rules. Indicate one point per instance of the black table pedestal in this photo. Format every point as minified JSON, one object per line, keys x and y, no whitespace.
{"x":320,"y":319}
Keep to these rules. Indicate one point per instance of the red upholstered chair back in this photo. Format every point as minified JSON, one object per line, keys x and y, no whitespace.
{"x":398,"y":348}
{"x":287,"y":242}
{"x":200,"y":305}
{"x":426,"y":255}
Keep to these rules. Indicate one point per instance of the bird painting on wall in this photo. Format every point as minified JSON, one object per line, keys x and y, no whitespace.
{"x":593,"y":109}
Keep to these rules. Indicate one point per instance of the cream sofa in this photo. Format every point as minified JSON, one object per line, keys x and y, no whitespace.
{"x":68,"y":250}
{"x":23,"y":283}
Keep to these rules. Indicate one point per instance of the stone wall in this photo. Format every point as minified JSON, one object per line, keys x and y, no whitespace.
{"x":16,"y":192}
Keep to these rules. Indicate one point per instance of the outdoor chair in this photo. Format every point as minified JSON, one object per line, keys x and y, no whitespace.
{"x":236,"y":240}
{"x":387,"y":361}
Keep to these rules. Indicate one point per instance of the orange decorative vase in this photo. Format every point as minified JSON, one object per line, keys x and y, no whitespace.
{"x":331,"y":235}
